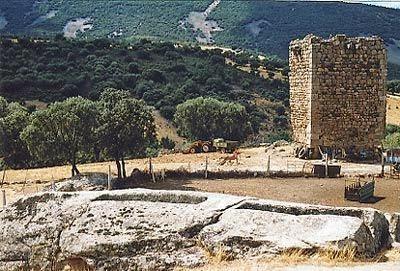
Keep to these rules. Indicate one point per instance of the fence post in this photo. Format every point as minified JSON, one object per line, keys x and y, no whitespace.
{"x":383,"y":164}
{"x":3,"y":195}
{"x":109,"y":178}
{"x":206,"y":171}
{"x":53,"y":184}
{"x":326,"y":166}
{"x":163,"y":174}
{"x":4,"y":176}
{"x":287,"y":167}
{"x":268,"y":164}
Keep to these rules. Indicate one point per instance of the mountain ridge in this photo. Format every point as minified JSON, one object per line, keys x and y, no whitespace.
{"x":263,"y":26}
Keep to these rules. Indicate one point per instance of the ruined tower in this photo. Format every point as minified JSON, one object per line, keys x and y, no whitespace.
{"x":337,"y":92}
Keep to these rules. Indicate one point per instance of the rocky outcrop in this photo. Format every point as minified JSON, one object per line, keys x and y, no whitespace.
{"x":159,"y":230}
{"x":85,"y":182}
{"x":275,"y":226}
{"x":394,"y":226}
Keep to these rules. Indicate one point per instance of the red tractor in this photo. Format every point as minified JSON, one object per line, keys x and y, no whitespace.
{"x":199,"y":146}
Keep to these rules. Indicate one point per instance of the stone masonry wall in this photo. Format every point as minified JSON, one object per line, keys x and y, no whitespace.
{"x":337,"y":91}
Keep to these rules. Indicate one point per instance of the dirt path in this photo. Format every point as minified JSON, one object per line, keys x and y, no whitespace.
{"x":73,"y":26}
{"x":199,"y":22}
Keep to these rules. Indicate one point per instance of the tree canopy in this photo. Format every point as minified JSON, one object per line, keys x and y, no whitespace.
{"x":126,"y":126}
{"x":208,"y":118}
{"x":14,"y":119}
{"x":61,"y":131}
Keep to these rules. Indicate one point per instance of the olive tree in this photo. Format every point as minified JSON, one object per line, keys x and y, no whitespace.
{"x":208,"y":118}
{"x":14,"y":119}
{"x":126,"y":126}
{"x":59,"y":132}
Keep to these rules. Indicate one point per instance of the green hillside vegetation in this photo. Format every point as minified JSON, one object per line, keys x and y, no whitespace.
{"x":152,"y":19}
{"x":162,"y":74}
{"x":282,"y":21}
{"x":264,"y":27}
{"x":275,"y":23}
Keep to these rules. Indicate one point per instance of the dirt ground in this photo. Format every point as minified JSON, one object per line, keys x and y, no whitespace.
{"x":309,"y":190}
{"x":305,"y":190}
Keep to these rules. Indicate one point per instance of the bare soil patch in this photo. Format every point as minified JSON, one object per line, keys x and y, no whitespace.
{"x":304,"y":190}
{"x":310,"y":190}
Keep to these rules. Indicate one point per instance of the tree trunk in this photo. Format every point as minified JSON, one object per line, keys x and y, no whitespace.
{"x":123,"y":166}
{"x":76,"y":170}
{"x":118,"y":168}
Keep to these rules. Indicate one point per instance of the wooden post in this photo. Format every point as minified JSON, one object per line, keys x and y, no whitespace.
{"x":326,"y":166}
{"x":4,"y":176}
{"x":163,"y":174}
{"x":206,"y":171}
{"x":53,"y":185}
{"x":153,"y":176}
{"x":3,"y":195}
{"x":268,"y":164}
{"x":287,"y":167}
{"x":150,"y":166}
{"x":109,"y":178}
{"x":383,"y":164}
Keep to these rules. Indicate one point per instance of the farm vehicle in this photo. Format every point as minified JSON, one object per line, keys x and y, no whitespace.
{"x":219,"y":144}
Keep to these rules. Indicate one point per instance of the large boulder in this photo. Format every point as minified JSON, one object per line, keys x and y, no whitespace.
{"x":158,"y":230}
{"x":260,"y":226}
{"x":118,"y":230}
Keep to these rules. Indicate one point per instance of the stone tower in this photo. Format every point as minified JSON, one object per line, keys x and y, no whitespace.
{"x":337,"y":92}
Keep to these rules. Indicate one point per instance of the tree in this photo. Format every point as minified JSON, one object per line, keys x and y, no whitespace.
{"x":69,"y":90}
{"x":12,"y":148}
{"x":392,"y":141}
{"x":61,"y":131}
{"x":126,"y":126}
{"x":3,"y":107}
{"x":208,"y":118}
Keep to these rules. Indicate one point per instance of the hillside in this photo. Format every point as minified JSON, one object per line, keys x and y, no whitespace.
{"x":263,"y":26}
{"x":162,"y":74}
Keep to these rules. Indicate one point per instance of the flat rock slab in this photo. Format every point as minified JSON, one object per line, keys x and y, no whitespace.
{"x":159,"y":230}
{"x":268,"y":231}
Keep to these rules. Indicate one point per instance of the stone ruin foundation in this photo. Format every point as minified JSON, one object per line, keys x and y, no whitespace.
{"x":337,"y":94}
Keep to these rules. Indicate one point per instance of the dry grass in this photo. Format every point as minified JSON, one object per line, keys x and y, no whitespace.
{"x":393,"y":110}
{"x":390,"y":255}
{"x":166,"y":129}
{"x":73,"y":264}
{"x":290,"y":257}
{"x":331,"y":255}
{"x":215,"y":256}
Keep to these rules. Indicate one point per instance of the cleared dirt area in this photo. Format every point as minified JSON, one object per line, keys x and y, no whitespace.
{"x":304,"y":190}
{"x":309,"y":190}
